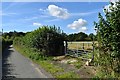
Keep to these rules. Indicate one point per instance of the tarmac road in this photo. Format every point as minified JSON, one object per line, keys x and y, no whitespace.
{"x":16,"y":65}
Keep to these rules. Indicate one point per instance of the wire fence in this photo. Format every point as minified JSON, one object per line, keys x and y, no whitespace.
{"x":78,"y":48}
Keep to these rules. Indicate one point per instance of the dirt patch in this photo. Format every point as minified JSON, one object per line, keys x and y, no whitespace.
{"x":67,"y":64}
{"x":86,"y":71}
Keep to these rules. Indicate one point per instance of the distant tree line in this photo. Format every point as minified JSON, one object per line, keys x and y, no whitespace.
{"x":11,"y":35}
{"x":7,"y":38}
{"x":81,"y":36}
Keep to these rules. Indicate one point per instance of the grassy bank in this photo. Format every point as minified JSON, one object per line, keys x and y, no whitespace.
{"x":45,"y":62}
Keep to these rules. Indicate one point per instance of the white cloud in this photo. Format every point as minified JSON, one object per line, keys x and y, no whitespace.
{"x":7,"y":14}
{"x":78,"y":25}
{"x":61,"y":13}
{"x":41,"y":9}
{"x":113,"y":1}
{"x":37,"y":24}
{"x":83,"y":29}
{"x":32,"y":18}
{"x":58,"y":12}
{"x":83,"y":14}
{"x":52,"y":20}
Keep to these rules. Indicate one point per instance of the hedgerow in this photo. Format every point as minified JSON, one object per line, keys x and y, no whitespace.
{"x":46,"y":39}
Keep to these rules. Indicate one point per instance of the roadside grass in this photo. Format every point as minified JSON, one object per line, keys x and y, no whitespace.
{"x":70,"y":74}
{"x":45,"y":63}
{"x":50,"y":67}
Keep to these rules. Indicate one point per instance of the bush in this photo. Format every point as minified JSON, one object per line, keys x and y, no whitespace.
{"x":46,"y":39}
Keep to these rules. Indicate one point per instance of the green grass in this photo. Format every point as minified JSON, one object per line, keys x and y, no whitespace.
{"x":50,"y":67}
{"x":78,"y":65}
{"x":70,"y":74}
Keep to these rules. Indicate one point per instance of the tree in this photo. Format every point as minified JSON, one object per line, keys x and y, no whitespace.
{"x":78,"y":37}
{"x":82,"y":36}
{"x":91,"y":36}
{"x":109,"y":33}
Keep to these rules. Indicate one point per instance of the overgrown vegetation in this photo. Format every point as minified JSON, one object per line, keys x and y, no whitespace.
{"x":46,"y":39}
{"x":108,"y":30}
{"x":7,"y":38}
{"x":5,"y":43}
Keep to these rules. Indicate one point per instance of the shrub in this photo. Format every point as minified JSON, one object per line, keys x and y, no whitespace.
{"x":46,"y":39}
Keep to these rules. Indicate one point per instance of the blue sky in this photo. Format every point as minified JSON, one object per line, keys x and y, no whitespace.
{"x":71,"y":17}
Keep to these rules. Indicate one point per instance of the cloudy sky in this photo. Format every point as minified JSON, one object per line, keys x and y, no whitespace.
{"x":71,"y":17}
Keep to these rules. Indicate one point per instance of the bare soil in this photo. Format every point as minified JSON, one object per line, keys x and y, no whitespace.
{"x":83,"y":71}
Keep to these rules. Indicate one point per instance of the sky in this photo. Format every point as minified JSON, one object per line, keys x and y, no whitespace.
{"x":71,"y":17}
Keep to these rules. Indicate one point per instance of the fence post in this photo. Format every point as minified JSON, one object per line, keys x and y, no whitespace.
{"x":83,"y":46}
{"x":77,"y":48}
{"x":93,"y":51}
{"x":88,"y":45}
{"x":65,"y":45}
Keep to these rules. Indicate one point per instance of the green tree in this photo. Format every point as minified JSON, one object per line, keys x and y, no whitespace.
{"x":109,"y":39}
{"x":91,"y":36}
{"x":78,"y":37}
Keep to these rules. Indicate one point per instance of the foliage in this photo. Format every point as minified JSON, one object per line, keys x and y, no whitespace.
{"x":47,"y":39}
{"x":7,"y":38}
{"x":12,"y":35}
{"x":92,"y":36}
{"x":5,"y":43}
{"x":80,"y":37}
{"x":109,"y":39}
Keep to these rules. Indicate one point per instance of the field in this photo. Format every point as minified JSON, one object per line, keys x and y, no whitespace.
{"x":86,"y":45}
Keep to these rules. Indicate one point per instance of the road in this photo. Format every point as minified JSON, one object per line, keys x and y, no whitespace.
{"x":16,"y":65}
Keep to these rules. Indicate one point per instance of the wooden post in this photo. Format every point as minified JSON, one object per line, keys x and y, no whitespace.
{"x":77,"y":48}
{"x":65,"y":45}
{"x":88,"y":45}
{"x":83,"y":46}
{"x":93,"y":50}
